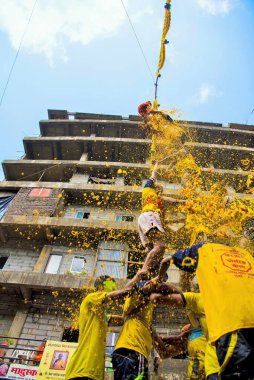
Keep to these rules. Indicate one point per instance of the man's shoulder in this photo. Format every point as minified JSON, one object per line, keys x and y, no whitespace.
{"x":94,"y":297}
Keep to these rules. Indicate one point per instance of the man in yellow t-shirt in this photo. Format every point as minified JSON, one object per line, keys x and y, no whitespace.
{"x":151,"y":220}
{"x":196,"y":347}
{"x":196,"y":313}
{"x":87,"y":362}
{"x":132,"y":350}
{"x":226,"y":279}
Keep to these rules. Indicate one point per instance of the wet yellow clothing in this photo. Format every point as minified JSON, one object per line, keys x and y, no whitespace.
{"x":196,"y":354}
{"x":88,"y":358}
{"x":196,"y":312}
{"x":211,"y":360}
{"x":136,"y":331}
{"x":197,"y":318}
{"x":226,"y":279}
{"x":151,"y":201}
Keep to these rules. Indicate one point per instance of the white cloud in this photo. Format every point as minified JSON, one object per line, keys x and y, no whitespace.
{"x":217,"y":7}
{"x":145,"y":11}
{"x":206,"y":93}
{"x":57,"y":22}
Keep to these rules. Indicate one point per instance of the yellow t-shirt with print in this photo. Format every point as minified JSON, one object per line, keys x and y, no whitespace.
{"x":88,"y":358}
{"x":197,"y":318}
{"x":136,"y":331}
{"x":226,"y":279}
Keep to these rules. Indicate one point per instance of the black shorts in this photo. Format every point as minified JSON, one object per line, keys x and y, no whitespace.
{"x":213,"y":376}
{"x":235,"y":352}
{"x":129,"y":364}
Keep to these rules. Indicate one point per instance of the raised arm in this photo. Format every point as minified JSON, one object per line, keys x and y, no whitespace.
{"x":127,"y":290}
{"x":164,"y":265}
{"x":154,"y":172}
{"x":117,"y":295}
{"x":167,"y":199}
{"x":165,"y":288}
{"x":170,"y":346}
{"x":116,"y":320}
{"x":167,"y":300}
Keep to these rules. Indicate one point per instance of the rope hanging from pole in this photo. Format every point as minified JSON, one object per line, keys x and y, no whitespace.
{"x":164,"y":42}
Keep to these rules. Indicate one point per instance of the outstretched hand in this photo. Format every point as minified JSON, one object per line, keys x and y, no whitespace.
{"x":151,"y":285}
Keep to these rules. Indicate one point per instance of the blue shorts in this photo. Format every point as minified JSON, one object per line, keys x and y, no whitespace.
{"x":129,"y":364}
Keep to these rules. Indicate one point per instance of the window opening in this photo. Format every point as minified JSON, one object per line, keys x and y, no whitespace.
{"x":3,"y":260}
{"x":111,"y":342}
{"x":78,"y":264}
{"x":124,"y":218}
{"x":82,"y":215}
{"x":70,"y":335}
{"x":53,"y":264}
{"x":105,"y":181}
{"x":112,"y":259}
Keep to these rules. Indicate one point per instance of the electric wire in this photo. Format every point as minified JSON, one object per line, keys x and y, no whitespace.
{"x":17,"y":53}
{"x":46,"y":169}
{"x":138,"y":41}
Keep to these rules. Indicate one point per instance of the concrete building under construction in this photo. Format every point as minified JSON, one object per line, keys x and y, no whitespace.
{"x":69,"y":214}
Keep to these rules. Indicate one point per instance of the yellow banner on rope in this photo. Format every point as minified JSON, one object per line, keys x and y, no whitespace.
{"x":166,"y":26}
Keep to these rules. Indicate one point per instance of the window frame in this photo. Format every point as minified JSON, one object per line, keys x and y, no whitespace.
{"x":112,"y":336}
{"x":123,"y":261}
{"x":77,"y":257}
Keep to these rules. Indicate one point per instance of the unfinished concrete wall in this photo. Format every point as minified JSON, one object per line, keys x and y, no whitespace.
{"x":24,"y":204}
{"x":97,"y":213}
{"x":41,"y":325}
{"x":22,"y":255}
{"x":7,"y":313}
{"x":69,"y":254}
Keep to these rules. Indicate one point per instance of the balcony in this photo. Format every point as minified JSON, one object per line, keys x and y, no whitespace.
{"x":97,"y":148}
{"x":62,"y":171}
{"x":228,"y":157}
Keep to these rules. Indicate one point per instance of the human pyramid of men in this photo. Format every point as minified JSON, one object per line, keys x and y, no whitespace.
{"x":221,"y":313}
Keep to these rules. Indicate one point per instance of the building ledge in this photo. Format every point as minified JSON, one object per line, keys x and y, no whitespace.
{"x":34,"y":281}
{"x":43,"y":139}
{"x":54,"y":222}
{"x":219,"y":147}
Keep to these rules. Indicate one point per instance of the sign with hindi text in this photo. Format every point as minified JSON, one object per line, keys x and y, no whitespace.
{"x":20,"y":371}
{"x":55,"y":358}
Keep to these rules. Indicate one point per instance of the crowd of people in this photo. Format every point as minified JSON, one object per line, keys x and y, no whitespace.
{"x":220,"y":337}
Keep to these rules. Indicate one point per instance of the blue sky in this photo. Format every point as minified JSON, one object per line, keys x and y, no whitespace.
{"x":81,"y":55}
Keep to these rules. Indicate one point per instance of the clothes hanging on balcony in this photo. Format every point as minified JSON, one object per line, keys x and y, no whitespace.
{"x":5,"y":201}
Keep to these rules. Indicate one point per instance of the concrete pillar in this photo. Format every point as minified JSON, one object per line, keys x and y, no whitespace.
{"x":18,"y":324}
{"x":119,"y":181}
{"x":41,"y":262}
{"x":84,"y":157}
{"x":2,"y":236}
